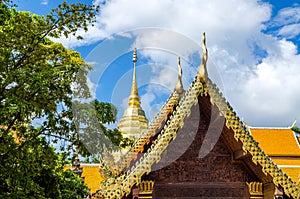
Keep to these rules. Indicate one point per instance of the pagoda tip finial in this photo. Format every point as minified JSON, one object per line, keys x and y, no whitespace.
{"x":134,"y":58}
{"x":134,"y":99}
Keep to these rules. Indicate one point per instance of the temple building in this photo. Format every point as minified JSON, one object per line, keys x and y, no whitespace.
{"x":197,"y":147}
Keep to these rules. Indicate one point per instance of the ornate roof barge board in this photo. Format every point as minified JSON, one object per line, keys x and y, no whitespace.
{"x":235,"y":135}
{"x":111,"y":168}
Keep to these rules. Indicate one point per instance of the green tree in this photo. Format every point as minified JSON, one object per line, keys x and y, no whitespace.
{"x":71,"y":186}
{"x":94,"y":137}
{"x":36,"y":171}
{"x":38,"y":80}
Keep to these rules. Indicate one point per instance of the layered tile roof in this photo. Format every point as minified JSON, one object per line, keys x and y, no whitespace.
{"x":281,"y":145}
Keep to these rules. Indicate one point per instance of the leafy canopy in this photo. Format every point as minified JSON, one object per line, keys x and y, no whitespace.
{"x":38,"y":79}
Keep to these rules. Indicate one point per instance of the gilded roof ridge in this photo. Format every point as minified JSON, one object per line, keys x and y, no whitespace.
{"x":124,"y":162}
{"x":249,"y":144}
{"x":153,"y":155}
{"x":144,"y":136}
{"x":116,"y":188}
{"x":154,"y":124}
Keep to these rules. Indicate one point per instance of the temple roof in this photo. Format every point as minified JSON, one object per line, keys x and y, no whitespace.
{"x":277,"y":141}
{"x":119,"y":185}
{"x":91,"y":175}
{"x":281,"y":145}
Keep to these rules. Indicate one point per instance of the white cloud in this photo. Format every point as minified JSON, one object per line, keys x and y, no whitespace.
{"x":287,"y":22}
{"x":290,"y":31}
{"x":271,"y":95}
{"x":147,"y":105}
{"x":124,"y":103}
{"x":222,"y":21}
{"x":263,"y":91}
{"x":44,"y":2}
{"x":287,"y":16}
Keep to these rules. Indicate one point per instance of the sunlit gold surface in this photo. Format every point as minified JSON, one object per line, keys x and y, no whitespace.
{"x":134,"y":119}
{"x":179,"y":86}
{"x":202,"y":72}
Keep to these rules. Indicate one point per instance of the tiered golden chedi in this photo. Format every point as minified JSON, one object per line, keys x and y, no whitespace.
{"x":134,"y":119}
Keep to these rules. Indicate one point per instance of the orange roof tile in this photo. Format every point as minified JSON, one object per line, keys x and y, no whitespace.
{"x":282,"y":143}
{"x":276,"y":142}
{"x":292,"y":172}
{"x":286,"y":161}
{"x":290,"y":166}
{"x":91,"y":175}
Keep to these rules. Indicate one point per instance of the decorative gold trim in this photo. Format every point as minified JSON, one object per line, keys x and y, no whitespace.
{"x":255,"y":189}
{"x":119,"y":186}
{"x":116,"y":188}
{"x":242,"y":133}
{"x":146,"y":189}
{"x":179,"y":87}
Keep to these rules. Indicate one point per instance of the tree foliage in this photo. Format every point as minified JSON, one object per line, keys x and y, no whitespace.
{"x":37,"y":74}
{"x":36,"y":171}
{"x":38,"y":81}
{"x":89,"y":119}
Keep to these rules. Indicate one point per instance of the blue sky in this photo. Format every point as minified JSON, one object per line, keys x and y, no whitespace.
{"x":253,"y":52}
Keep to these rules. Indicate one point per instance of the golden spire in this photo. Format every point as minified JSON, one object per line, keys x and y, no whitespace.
{"x":179,"y":88}
{"x":134,"y":99}
{"x":134,"y":119}
{"x":202,"y":73}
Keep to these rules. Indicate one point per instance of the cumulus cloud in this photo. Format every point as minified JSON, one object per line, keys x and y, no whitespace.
{"x":272,"y":91}
{"x":287,"y":22}
{"x":287,"y":15}
{"x":259,"y":71}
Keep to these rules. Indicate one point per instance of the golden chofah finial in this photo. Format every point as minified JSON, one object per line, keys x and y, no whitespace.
{"x":179,"y":88}
{"x":202,"y":73}
{"x":179,"y":68}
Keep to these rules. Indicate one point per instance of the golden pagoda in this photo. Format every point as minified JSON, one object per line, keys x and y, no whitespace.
{"x":134,"y":120}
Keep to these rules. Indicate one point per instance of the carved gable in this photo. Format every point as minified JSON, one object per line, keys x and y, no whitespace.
{"x":216,"y":175}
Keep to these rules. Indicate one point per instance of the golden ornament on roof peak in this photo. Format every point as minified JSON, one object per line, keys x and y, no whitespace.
{"x":179,"y":87}
{"x":202,"y":73}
